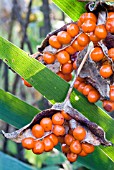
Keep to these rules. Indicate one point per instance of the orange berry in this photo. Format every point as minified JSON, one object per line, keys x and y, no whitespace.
{"x":82,"y":153}
{"x":37,"y":131}
{"x":80,"y":79}
{"x":86,"y":16}
{"x":48,"y":58}
{"x":93,"y":38}
{"x":68,"y":77}
{"x":108,"y":105}
{"x":48,"y":144}
{"x":88,"y":148}
{"x":100,"y":31}
{"x":112,"y":94}
{"x":63,"y":57}
{"x":60,"y":74}
{"x":59,"y":130}
{"x":81,"y":87}
{"x":97,"y":54}
{"x":54,"y":139}
{"x":57,"y":119}
{"x":83,"y":39}
{"x":65,"y":148}
{"x":110,"y":25}
{"x":76,"y":84}
{"x":93,"y":96}
{"x":65,"y":115}
{"x":77,"y":46}
{"x":61,"y":139}
{"x":38,"y":147}
{"x":106,"y":71}
{"x":67,"y":68}
{"x":69,"y":139}
{"x":110,"y":15}
{"x":72,"y":157}
{"x":88,"y":26}
{"x":26,"y":83}
{"x":74,"y":65}
{"x":73,"y":30}
{"x":75,"y":147}
{"x":70,"y":50}
{"x":46,"y":123}
{"x":111,"y":53}
{"x":28,"y":143}
{"x":79,"y":133}
{"x":63,"y":37}
{"x":53,"y":41}
{"x":87,"y":89}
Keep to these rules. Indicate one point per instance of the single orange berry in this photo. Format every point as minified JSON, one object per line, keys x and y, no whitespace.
{"x":106,"y":71}
{"x":75,"y":147}
{"x":67,"y":68}
{"x":76,"y":46}
{"x":65,"y":148}
{"x":81,"y":87}
{"x":63,"y":57}
{"x":53,"y":41}
{"x":100,"y":31}
{"x":59,"y":130}
{"x":64,"y":37}
{"x":68,"y":77}
{"x":70,"y":50}
{"x":57,"y":119}
{"x":38,"y":147}
{"x":73,"y":30}
{"x":28,"y":143}
{"x":37,"y":131}
{"x":83,"y":39}
{"x":108,"y":105}
{"x":46,"y":123}
{"x":48,"y":58}
{"x":88,"y":148}
{"x":74,"y":65}
{"x":97,"y":54}
{"x":76,"y":84}
{"x":111,"y":53}
{"x":90,"y":16}
{"x":93,"y":96}
{"x":83,"y":153}
{"x":88,"y":26}
{"x":110,"y":15}
{"x":60,"y":74}
{"x":110,"y":25}
{"x":48,"y":144}
{"x":54,"y":139}
{"x":79,"y":133}
{"x":26,"y":83}
{"x":65,"y":115}
{"x":69,"y":139}
{"x":87,"y":89}
{"x":72,"y":157}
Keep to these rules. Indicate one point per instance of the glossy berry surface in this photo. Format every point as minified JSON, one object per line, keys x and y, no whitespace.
{"x":79,"y":133}
{"x":83,"y":39}
{"x":65,"y":115}
{"x":110,"y":25}
{"x":59,"y":130}
{"x":106,"y":71}
{"x":63,"y":57}
{"x":57,"y":119}
{"x":70,"y":50}
{"x":46,"y":123}
{"x":93,"y":96}
{"x":97,"y":54}
{"x":100,"y":31}
{"x":38,"y":147}
{"x":72,"y":157}
{"x":87,"y":89}
{"x":111,"y":53}
{"x":54,"y":139}
{"x":69,"y":139}
{"x":48,"y":144}
{"x":67,"y":68}
{"x":88,"y":148}
{"x":48,"y":58}
{"x":82,"y":153}
{"x":73,"y":30}
{"x":77,"y":46}
{"x":28,"y":143}
{"x":64,"y":37}
{"x":75,"y":147}
{"x":65,"y":148}
{"x":53,"y":41}
{"x":88,"y":26}
{"x":38,"y":131}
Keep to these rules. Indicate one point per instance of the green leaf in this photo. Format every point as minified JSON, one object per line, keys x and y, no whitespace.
{"x":72,"y":8}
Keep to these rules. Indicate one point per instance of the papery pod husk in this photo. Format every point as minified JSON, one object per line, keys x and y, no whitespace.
{"x":95,"y":134}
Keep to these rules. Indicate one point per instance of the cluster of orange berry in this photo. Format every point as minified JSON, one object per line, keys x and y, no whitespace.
{"x":55,"y":126}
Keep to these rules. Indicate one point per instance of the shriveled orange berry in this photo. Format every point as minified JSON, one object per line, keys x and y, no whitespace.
{"x":72,"y":157}
{"x":110,"y":15}
{"x":76,"y":46}
{"x":59,"y":130}
{"x":26,"y":83}
{"x":97,"y":54}
{"x":68,"y":77}
{"x":79,"y":133}
{"x":53,"y":41}
{"x":81,"y":87}
{"x":48,"y":58}
{"x":67,"y":68}
{"x":60,"y":74}
{"x":93,"y":96}
{"x":83,"y":39}
{"x":106,"y":71}
{"x":63,"y":57}
{"x":87,"y":89}
{"x":69,"y":139}
{"x":38,"y":131}
{"x":111,"y":53}
{"x":100,"y":31}
{"x":61,"y":139}
{"x":110,"y":25}
{"x":57,"y":119}
{"x":46,"y":123}
{"x":82,"y":153}
{"x":28,"y":143}
{"x":65,"y":148}
{"x":70,"y":50}
{"x":88,"y":26}
{"x":65,"y":115}
{"x":74,"y":65}
{"x":64,"y":37}
{"x":48,"y":144}
{"x":75,"y":147}
{"x":88,"y":148}
{"x":54,"y":139}
{"x":108,"y":105}
{"x":73,"y":30}
{"x":38,"y":147}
